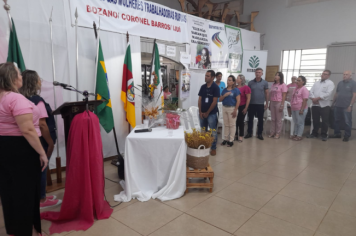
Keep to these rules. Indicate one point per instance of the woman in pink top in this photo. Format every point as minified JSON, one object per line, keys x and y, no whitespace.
{"x":245,"y":98}
{"x":21,"y":158}
{"x":31,"y":87}
{"x":277,"y":97}
{"x":299,"y":107}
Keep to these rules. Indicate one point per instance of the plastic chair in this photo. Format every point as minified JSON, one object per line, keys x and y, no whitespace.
{"x":194,"y":117}
{"x":221,"y":120}
{"x":185,"y":121}
{"x":287,"y":118}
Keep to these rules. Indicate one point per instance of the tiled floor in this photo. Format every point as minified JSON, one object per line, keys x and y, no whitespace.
{"x":262,"y":188}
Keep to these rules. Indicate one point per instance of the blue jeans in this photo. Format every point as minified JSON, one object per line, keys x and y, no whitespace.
{"x":339,"y":114}
{"x":211,"y":121}
{"x":299,"y":121}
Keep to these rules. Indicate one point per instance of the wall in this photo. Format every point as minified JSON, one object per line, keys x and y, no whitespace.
{"x":302,"y":27}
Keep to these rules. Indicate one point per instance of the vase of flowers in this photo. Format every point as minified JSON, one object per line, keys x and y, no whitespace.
{"x":198,"y":150}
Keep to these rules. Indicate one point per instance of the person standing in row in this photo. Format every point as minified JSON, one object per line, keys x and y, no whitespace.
{"x":245,"y":98}
{"x":259,"y":96}
{"x":299,"y":107}
{"x":344,"y":100}
{"x":208,"y":98}
{"x":30,"y":89}
{"x":230,"y":98}
{"x":220,"y":83}
{"x":22,"y":156}
{"x":276,"y":105}
{"x":320,"y":94}
{"x":291,"y":88}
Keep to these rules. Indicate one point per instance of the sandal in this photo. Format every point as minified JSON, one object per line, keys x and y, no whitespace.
{"x":277,"y":136}
{"x":224,"y":143}
{"x":297,"y":138}
{"x":230,"y":144}
{"x":271,"y":136}
{"x":293,"y":136}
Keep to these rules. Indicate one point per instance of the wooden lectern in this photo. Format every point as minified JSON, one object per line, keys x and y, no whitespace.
{"x":68,"y":111}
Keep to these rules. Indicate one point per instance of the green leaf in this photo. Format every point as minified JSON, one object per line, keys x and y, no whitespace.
{"x":250,"y":64}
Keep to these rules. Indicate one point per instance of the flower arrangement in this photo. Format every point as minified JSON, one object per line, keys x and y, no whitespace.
{"x":199,"y":137}
{"x":151,"y":112}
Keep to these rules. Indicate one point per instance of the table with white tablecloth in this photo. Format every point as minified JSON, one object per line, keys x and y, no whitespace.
{"x":155,"y":165}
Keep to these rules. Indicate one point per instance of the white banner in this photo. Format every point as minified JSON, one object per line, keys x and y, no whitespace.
{"x":199,"y":43}
{"x":219,"y":45}
{"x":253,"y":60}
{"x":138,"y":17}
{"x":234,"y":38}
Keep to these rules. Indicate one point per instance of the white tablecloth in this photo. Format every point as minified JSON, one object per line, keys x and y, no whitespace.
{"x":155,"y":165}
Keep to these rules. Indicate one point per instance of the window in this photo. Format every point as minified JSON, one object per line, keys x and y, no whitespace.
{"x":307,"y":62}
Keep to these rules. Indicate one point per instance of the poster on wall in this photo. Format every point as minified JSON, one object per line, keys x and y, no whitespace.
{"x":253,"y":60}
{"x":199,"y":43}
{"x":141,"y":18}
{"x":219,"y":45}
{"x":235,"y":48}
{"x":185,"y":89}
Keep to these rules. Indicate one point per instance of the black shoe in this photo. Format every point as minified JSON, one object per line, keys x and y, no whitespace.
{"x":324,"y":138}
{"x":260,"y":137}
{"x":335,"y":136}
{"x":248,"y":136}
{"x":346,"y":139}
{"x":312,"y":136}
{"x":230,"y":144}
{"x":224,"y":143}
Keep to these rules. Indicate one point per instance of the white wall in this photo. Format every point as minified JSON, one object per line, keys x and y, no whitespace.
{"x":302,"y":27}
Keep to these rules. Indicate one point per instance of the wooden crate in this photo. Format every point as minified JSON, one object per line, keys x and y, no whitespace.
{"x":200,"y":173}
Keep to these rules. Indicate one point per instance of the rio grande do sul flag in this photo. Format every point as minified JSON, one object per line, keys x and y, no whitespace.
{"x":127,"y":89}
{"x":104,"y":110}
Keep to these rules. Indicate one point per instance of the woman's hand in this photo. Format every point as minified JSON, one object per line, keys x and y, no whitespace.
{"x":281,"y":108}
{"x":227,"y":94}
{"x":44,"y":161}
{"x":301,"y":112}
{"x":234,"y":114}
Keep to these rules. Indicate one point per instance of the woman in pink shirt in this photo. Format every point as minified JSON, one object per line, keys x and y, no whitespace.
{"x":277,"y":97}
{"x":299,"y":107}
{"x":245,"y":98}
{"x":22,"y":156}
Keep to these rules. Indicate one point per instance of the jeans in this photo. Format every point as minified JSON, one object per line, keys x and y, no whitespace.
{"x":257,"y":110}
{"x":240,"y":122}
{"x":276,"y":117}
{"x":211,"y":121}
{"x":229,"y":123}
{"x":324,"y":113}
{"x":341,"y":113}
{"x":299,"y":121}
{"x":44,"y":173}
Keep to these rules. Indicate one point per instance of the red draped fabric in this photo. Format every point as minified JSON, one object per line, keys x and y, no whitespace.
{"x":84,"y":192}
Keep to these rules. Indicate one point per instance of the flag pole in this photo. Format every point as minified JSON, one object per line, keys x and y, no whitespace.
{"x":77,"y":52}
{"x":7,"y":9}
{"x":58,"y":158}
{"x":153,"y":53}
{"x":127,"y":41}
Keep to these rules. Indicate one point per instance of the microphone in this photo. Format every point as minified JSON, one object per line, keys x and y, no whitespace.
{"x":55,"y":83}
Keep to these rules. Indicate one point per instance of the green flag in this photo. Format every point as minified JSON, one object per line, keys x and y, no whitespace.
{"x":104,"y":110}
{"x":15,"y":54}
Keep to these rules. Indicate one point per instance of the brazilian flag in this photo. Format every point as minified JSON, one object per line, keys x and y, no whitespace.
{"x":104,"y":110}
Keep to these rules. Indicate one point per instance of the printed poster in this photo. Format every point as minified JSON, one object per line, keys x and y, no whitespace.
{"x":199,"y":43}
{"x":235,"y":48}
{"x":219,"y":46}
{"x":185,"y":89}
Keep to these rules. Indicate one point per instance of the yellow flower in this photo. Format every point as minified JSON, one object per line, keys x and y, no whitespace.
{"x":202,"y":137}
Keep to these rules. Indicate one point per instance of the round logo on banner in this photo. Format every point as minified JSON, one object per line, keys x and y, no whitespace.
{"x":130,"y":90}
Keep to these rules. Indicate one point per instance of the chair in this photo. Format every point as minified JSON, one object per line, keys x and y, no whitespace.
{"x":185,"y":121}
{"x":288,"y":118}
{"x":221,"y":120}
{"x":194,"y":117}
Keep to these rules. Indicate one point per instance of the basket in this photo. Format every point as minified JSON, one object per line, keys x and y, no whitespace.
{"x":198,"y":158}
{"x":172,"y":121}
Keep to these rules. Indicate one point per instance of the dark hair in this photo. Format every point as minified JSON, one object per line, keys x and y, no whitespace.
{"x":281,"y":77}
{"x":233,"y":80}
{"x":259,"y":69}
{"x":328,"y":71}
{"x":217,"y":74}
{"x":212,"y":73}
{"x":164,"y":88}
{"x":207,"y":63}
{"x":30,"y":86}
{"x":303,"y":78}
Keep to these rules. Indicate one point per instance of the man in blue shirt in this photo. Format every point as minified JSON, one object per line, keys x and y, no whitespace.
{"x":208,"y":98}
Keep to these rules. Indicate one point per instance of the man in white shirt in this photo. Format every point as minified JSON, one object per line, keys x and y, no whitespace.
{"x":320,"y":94}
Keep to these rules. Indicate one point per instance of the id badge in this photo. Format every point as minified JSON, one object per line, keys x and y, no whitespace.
{"x":206,"y":100}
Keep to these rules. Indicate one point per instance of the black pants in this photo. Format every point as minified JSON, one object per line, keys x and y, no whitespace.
{"x":323,"y":113}
{"x":20,"y":173}
{"x":240,"y":122}
{"x":257,"y":110}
